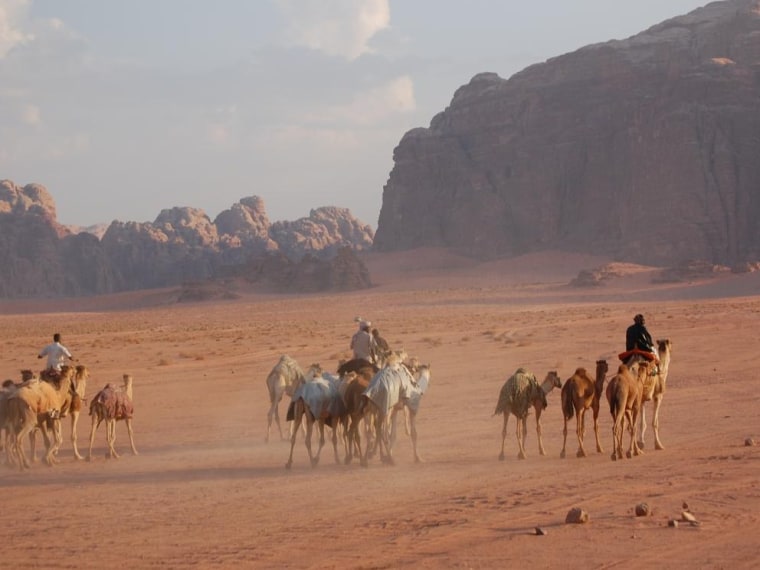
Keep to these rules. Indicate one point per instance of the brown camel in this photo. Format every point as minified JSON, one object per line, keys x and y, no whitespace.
{"x":518,"y":394}
{"x":579,"y":394}
{"x":355,"y":377}
{"x":38,"y":404}
{"x":624,"y":393}
{"x":111,"y":404}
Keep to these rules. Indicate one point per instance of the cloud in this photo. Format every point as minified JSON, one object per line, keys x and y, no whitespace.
{"x":373,"y":107}
{"x":336,"y":27}
{"x":12,"y":15}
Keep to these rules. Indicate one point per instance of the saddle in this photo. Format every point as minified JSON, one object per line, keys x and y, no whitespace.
{"x":51,"y":375}
{"x":649,"y":356}
{"x":624,"y":356}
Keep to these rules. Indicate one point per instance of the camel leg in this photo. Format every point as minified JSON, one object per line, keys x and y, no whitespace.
{"x":633,"y":448}
{"x":33,"y":443}
{"x":28,"y":424}
{"x":580,"y":429}
{"x":641,"y":425}
{"x":503,"y":435}
{"x":564,"y":440}
{"x":309,"y":432}
{"x":656,"y":402}
{"x":74,"y":423}
{"x":541,"y":449}
{"x":413,"y":434}
{"x":111,"y":437}
{"x":297,"y":418}
{"x":596,"y":431}
{"x":522,"y":426}
{"x":55,"y":444}
{"x":93,"y":428}
{"x":335,"y":429}
{"x":130,"y":432}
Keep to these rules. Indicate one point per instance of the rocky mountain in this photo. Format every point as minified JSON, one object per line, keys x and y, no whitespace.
{"x":41,"y":257}
{"x":644,"y":149}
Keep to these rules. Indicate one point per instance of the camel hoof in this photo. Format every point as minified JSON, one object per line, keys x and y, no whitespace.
{"x":419,"y":460}
{"x":659,"y":447}
{"x":520,"y":456}
{"x":562,"y":454}
{"x":501,"y":457}
{"x":542,"y":452}
{"x":89,"y":458}
{"x":613,"y":457}
{"x":288,"y":465}
{"x":640,"y":444}
{"x":580,"y":453}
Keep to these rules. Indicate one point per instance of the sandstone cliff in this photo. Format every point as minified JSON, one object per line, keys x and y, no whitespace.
{"x":644,"y":149}
{"x":40,"y":257}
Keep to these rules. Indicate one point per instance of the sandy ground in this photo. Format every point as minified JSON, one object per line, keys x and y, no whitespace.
{"x":206,"y":490}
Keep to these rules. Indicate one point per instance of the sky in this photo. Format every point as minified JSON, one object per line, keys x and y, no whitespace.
{"x":124,"y":108}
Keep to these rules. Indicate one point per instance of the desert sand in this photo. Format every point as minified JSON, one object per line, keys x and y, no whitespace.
{"x":206,"y":491}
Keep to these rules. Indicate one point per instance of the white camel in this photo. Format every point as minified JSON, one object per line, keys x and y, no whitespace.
{"x":285,"y":378}
{"x":111,"y":404}
{"x":391,"y":389}
{"x":319,"y":401}
{"x":654,"y":391}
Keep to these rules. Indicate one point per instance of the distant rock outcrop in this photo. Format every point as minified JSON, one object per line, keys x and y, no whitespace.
{"x":41,"y":257}
{"x":643,"y":149}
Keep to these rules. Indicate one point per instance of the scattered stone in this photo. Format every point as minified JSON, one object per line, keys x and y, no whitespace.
{"x":749,"y":442}
{"x":540,"y":531}
{"x":686,"y":516}
{"x":673,"y":523}
{"x":577,"y":516}
{"x":642,"y":510}
{"x":685,"y":506}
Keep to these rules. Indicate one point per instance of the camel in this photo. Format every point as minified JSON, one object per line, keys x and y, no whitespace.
{"x":34,"y":405}
{"x":318,"y":400}
{"x":391,"y":389}
{"x":355,"y":376}
{"x":579,"y":394}
{"x":284,"y":378}
{"x":624,"y":393}
{"x":654,"y":390}
{"x":111,"y":404}
{"x":517,"y":395}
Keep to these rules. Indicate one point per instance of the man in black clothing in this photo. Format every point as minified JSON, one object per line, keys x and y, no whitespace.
{"x":637,"y":336}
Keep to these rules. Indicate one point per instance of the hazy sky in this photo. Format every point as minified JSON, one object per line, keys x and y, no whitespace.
{"x":122,"y":108}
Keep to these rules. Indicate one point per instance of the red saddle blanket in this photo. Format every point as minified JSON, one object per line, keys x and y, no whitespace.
{"x":623,"y":356}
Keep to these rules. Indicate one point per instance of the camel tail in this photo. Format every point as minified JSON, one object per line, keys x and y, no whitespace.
{"x":567,"y":402}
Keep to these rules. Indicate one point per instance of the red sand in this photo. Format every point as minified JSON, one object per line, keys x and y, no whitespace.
{"x":206,"y":491}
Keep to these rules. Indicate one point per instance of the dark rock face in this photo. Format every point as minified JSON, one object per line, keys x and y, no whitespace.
{"x":41,"y":258}
{"x":644,"y":149}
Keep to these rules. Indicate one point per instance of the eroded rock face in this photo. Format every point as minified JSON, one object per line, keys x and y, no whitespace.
{"x":43,"y":258}
{"x":644,"y":149}
{"x":322,"y":234}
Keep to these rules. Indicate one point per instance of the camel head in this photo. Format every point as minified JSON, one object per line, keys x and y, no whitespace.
{"x":553,"y":378}
{"x":664,"y":346}
{"x":27,"y":374}
{"x":314,"y":371}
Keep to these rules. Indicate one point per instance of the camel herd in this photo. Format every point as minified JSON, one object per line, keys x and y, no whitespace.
{"x":39,"y":403}
{"x":361,"y":398}
{"x":360,"y":404}
{"x":636,"y":382}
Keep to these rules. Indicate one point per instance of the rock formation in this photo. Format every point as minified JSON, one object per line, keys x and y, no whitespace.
{"x":643,"y":149}
{"x":40,"y":257}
